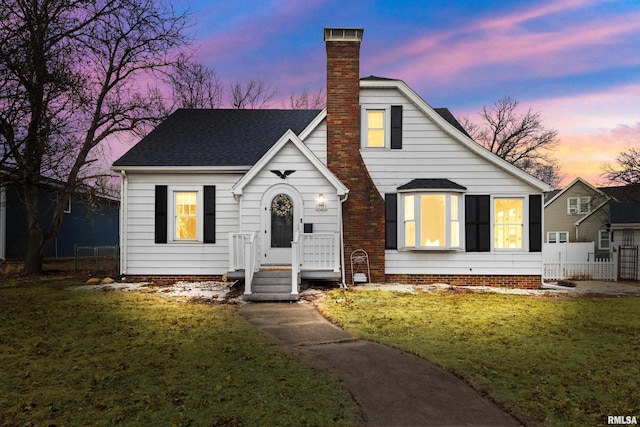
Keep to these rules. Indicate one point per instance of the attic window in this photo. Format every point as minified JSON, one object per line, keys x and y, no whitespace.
{"x":375,"y":128}
{"x":578,"y":205}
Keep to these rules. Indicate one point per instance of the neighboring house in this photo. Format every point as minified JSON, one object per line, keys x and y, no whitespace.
{"x":581,"y":213}
{"x":578,"y":213}
{"x":89,"y":220}
{"x":215,"y":192}
{"x":625,"y":238}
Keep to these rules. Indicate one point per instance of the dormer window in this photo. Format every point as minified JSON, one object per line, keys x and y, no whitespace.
{"x":382,"y":127}
{"x":578,"y":205}
{"x":375,"y":129}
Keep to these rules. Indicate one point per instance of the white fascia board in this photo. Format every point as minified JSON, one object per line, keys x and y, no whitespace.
{"x":447,"y":127}
{"x":181,"y":169}
{"x":289,"y":136}
{"x":313,"y":125}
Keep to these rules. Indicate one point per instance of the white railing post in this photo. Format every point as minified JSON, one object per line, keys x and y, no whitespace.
{"x":249,"y":261}
{"x":295,"y":264}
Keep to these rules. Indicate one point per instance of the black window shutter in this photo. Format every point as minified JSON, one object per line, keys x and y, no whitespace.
{"x":535,"y":223}
{"x":391,"y":221}
{"x":396,"y":127}
{"x":209,"y":214}
{"x":161,"y":214}
{"x":477,"y":223}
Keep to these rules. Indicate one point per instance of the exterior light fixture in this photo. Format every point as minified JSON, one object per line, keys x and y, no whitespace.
{"x":321,"y":205}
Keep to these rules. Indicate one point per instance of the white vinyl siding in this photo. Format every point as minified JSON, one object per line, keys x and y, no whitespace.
{"x":428,"y":151}
{"x":144,"y":257}
{"x":307,"y":181}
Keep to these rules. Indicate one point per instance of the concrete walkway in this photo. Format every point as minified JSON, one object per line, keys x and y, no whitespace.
{"x":393,"y":388}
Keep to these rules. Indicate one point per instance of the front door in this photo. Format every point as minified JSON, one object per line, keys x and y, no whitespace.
{"x":280,"y":220}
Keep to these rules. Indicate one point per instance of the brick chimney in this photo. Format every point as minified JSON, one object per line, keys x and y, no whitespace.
{"x":363,"y":212}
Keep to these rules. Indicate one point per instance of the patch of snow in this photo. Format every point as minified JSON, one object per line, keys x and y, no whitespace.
{"x":208,"y":291}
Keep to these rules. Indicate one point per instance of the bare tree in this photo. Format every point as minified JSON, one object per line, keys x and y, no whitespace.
{"x":520,"y":139}
{"x":627,"y":169}
{"x":194,"y":85}
{"x":305,"y":101}
{"x":70,"y":69}
{"x":254,"y":95}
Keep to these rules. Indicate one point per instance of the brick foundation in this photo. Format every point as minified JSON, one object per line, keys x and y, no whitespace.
{"x":501,"y":281}
{"x":170,"y":280}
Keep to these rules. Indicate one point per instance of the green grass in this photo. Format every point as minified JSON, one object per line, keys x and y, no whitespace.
{"x":552,"y":361}
{"x":104,"y":358}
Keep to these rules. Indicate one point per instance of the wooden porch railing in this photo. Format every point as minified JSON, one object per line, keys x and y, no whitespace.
{"x":244,"y":249}
{"x":309,"y":252}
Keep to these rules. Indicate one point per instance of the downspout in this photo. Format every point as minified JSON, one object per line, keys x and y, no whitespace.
{"x":124,"y":186}
{"x":343,"y":285}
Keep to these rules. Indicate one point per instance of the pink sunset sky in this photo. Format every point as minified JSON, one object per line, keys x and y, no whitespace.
{"x":577,"y":62}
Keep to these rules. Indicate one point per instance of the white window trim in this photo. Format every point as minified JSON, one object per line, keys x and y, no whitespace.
{"x":577,"y":210}
{"x":558,"y":236}
{"x":608,"y":247}
{"x":172,"y":190}
{"x":461,"y":220}
{"x":525,"y":223}
{"x":364,"y":131}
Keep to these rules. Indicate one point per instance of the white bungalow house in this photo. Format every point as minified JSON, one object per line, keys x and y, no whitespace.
{"x":284,"y":195}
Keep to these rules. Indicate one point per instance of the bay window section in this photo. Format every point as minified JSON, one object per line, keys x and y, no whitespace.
{"x":431,"y":221}
{"x":508,"y":224}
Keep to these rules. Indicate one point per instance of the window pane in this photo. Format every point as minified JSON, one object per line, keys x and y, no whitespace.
{"x":375,"y":123}
{"x":409,"y":209}
{"x":454,"y":207}
{"x":186,"y":227}
{"x":410,"y":233}
{"x":455,"y":234}
{"x":186,"y":211}
{"x":508,"y":224}
{"x":433,"y":219}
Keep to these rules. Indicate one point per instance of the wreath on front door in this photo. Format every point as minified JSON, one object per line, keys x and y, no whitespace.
{"x":281,"y":206}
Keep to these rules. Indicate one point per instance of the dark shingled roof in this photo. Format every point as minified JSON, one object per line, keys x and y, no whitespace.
{"x":625,"y":213}
{"x":623,"y":193}
{"x":201,"y":137}
{"x":431,"y":184}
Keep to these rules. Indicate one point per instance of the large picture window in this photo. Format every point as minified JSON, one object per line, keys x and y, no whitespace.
{"x":508,"y":223}
{"x":431,"y":220}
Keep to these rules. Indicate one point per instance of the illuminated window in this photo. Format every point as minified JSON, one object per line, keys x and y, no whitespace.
{"x":409,"y":221}
{"x":508,"y":224}
{"x":186,"y":215}
{"x":375,"y":129}
{"x":432,"y":221}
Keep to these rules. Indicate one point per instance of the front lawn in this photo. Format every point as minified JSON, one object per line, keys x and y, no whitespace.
{"x":104,"y":358}
{"x":552,"y":361}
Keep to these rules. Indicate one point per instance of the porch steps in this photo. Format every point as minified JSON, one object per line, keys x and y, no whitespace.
{"x":271,"y":285}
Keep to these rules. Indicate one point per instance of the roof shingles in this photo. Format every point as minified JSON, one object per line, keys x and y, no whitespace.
{"x":200,"y":137}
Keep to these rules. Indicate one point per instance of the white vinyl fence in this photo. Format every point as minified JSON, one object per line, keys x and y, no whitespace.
{"x":575,"y":261}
